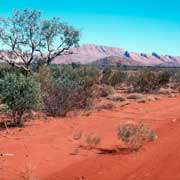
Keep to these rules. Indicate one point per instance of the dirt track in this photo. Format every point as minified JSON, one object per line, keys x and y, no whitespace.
{"x":43,"y":149}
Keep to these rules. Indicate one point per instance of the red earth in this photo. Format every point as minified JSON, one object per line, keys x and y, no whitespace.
{"x":43,"y":149}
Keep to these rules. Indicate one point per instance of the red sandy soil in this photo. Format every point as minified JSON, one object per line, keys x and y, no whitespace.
{"x":43,"y":148}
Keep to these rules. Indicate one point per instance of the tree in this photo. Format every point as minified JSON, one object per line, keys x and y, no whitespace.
{"x":26,"y":38}
{"x":19,"y":93}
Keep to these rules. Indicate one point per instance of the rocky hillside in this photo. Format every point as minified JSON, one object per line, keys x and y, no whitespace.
{"x":90,"y":53}
{"x":103,"y":55}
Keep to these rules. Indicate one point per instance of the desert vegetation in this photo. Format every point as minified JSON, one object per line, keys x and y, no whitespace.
{"x":20,"y":94}
{"x":58,"y":89}
{"x":135,"y":135}
{"x":28,"y":80}
{"x":32,"y":83}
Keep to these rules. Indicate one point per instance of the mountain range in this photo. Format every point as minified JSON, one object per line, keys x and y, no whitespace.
{"x":104,"y":55}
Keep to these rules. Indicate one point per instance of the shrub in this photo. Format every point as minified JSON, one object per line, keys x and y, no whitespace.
{"x":135,"y":96}
{"x":175,"y":78}
{"x":77,"y":135}
{"x":106,"y":75}
{"x":163,"y":78}
{"x":88,"y":72}
{"x":75,"y":65}
{"x":5,"y":68}
{"x":43,"y":75}
{"x":92,"y":141}
{"x":63,"y":70}
{"x":148,"y":81}
{"x":20,"y":94}
{"x":142,"y":100}
{"x":117,"y":78}
{"x":116,"y":98}
{"x":165,"y":91}
{"x":105,"y":90}
{"x":135,"y":135}
{"x":64,"y":95}
{"x":107,"y":106}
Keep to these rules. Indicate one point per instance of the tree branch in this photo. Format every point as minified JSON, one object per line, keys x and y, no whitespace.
{"x":12,"y":63}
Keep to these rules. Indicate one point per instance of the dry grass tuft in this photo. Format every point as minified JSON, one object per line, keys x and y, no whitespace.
{"x":135,"y":135}
{"x":135,"y":96}
{"x":92,"y":140}
{"x":75,"y":151}
{"x":116,"y":98}
{"x":77,"y":135}
{"x":29,"y":173}
{"x":107,"y":106}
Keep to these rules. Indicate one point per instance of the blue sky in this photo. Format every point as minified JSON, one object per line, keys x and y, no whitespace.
{"x":134,"y":25}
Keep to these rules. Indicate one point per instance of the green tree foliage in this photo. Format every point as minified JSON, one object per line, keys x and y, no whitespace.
{"x":19,"y":93}
{"x":26,"y":38}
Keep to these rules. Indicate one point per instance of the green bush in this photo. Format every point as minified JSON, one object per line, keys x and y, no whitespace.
{"x":148,"y":81}
{"x":20,"y":94}
{"x":106,"y":74}
{"x":163,"y":78}
{"x":65,"y":89}
{"x":89,"y":72}
{"x":6,"y":68}
{"x":63,"y":70}
{"x":117,"y":78}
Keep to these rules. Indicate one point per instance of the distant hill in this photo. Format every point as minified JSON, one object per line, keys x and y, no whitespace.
{"x":104,"y":55}
{"x":117,"y":60}
{"x":91,"y":53}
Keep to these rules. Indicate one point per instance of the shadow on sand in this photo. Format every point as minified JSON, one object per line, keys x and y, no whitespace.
{"x":113,"y":151}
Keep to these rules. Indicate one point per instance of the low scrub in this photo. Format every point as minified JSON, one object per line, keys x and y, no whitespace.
{"x":135,"y":96}
{"x":165,"y":91}
{"x":148,"y":81}
{"x":113,"y":78}
{"x":64,"y":95}
{"x":104,"y":90}
{"x":142,"y":100}
{"x":106,"y":106}
{"x":117,"y":78}
{"x":135,"y":135}
{"x":106,"y":74}
{"x":65,"y":88}
{"x":116,"y":98}
{"x":92,"y":141}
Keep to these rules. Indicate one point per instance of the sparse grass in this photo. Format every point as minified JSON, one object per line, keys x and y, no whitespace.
{"x":28,"y":174}
{"x":108,"y":106}
{"x":135,"y":135}
{"x":135,"y":96}
{"x":116,"y":98}
{"x":92,"y":140}
{"x":77,"y":135}
{"x":105,"y":90}
{"x":75,"y":151}
{"x":125,"y":104}
{"x":172,"y":95}
{"x":164,"y":91}
{"x":142,"y":100}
